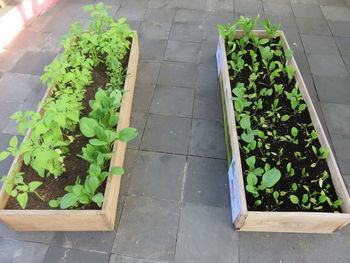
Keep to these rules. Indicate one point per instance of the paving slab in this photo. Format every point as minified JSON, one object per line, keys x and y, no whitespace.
{"x":152,"y":49}
{"x":173,"y":101}
{"x":62,"y":26}
{"x":154,"y":30}
{"x":341,"y":145}
{"x":129,"y":164}
{"x":249,"y":6}
{"x":122,"y":259}
{"x":143,"y":95}
{"x":148,"y":229}
{"x":207,"y":55}
{"x":191,"y":16}
{"x":313,"y":26}
{"x":315,"y":44}
{"x":278,"y":9}
{"x":69,"y":255}
{"x":327,"y":65}
{"x":33,"y":62}
{"x":340,"y":28}
{"x":138,"y":121}
{"x":333,"y":113}
{"x":178,"y":74}
{"x":307,"y":11}
{"x":162,"y":4}
{"x":187,"y":32}
{"x":339,"y":91}
{"x":206,"y":182}
{"x":194,"y":4}
{"x":131,"y":13}
{"x":207,"y":104}
{"x":160,"y":15}
{"x":182,"y":51}
{"x":149,"y":72}
{"x":8,"y":59}
{"x":343,"y":45}
{"x":158,"y":175}
{"x":207,"y":139}
{"x":19,"y":251}
{"x":206,"y":235}
{"x":16,"y":87}
{"x":208,"y":78}
{"x":166,"y":134}
{"x":336,"y":13}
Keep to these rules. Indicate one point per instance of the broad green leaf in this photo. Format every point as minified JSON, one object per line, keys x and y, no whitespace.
{"x":245,"y":122}
{"x":84,"y":199}
{"x":257,"y":202}
{"x":271,"y":177}
{"x":94,"y":170}
{"x":294,"y":199}
{"x":250,"y":161}
{"x":117,"y":170}
{"x":87,"y":127}
{"x":54,"y":203}
{"x":98,"y":198}
{"x":4,"y":155}
{"x":68,"y":200}
{"x":34,"y":185}
{"x":285,"y":118}
{"x":22,"y":199}
{"x":252,"y":189}
{"x":93,"y":183}
{"x":294,"y":132}
{"x":97,"y":142}
{"x":14,"y":142}
{"x":127,"y":134}
{"x":23,"y":188}
{"x":248,"y":138}
{"x":252,"y":179}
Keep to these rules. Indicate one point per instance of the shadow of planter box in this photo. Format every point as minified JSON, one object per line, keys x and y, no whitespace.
{"x":303,"y":222}
{"x":81,"y":220}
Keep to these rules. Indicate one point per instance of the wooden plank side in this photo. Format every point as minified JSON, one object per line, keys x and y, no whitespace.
{"x":113,"y":183}
{"x":310,"y":222}
{"x":80,"y":220}
{"x":298,"y":222}
{"x":226,"y":86}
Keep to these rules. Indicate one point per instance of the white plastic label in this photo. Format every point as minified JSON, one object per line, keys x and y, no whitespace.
{"x":219,"y":57}
{"x":234,"y":191}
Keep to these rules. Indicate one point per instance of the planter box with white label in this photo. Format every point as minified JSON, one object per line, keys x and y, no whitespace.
{"x":245,"y":219}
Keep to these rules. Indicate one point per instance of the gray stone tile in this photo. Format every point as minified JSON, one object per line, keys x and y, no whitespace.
{"x":187,"y":32}
{"x":15,"y":87}
{"x":89,"y":240}
{"x":207,"y":55}
{"x":347,"y":62}
{"x":336,"y":13}
{"x":72,"y":9}
{"x":33,"y":62}
{"x":182,"y":51}
{"x":138,"y":121}
{"x":158,"y":175}
{"x":39,"y":237}
{"x":150,"y":29}
{"x":178,"y":74}
{"x":327,"y":65}
{"x":344,"y":45}
{"x":207,"y":104}
{"x":39,"y":23}
{"x":206,"y":182}
{"x":333,"y":113}
{"x":206,"y":235}
{"x":143,"y":97}
{"x":194,"y":4}
{"x":314,"y":44}
{"x":69,"y":255}
{"x":208,"y":78}
{"x":147,"y":229}
{"x":162,"y":4}
{"x":152,"y":49}
{"x":207,"y":139}
{"x":252,"y":247}
{"x":148,"y":72}
{"x":134,"y":24}
{"x":279,"y":9}
{"x":122,"y":259}
{"x":166,"y":134}
{"x":249,"y":6}
{"x":191,"y":16}
{"x":160,"y":15}
{"x":212,"y":18}
{"x":4,"y":168}
{"x":8,"y":59}
{"x":332,"y":89}
{"x":131,"y":13}
{"x":136,"y":3}
{"x":173,"y":101}
{"x":62,"y":26}
{"x":341,"y":145}
{"x":313,"y":26}
{"x":340,"y":28}
{"x":307,"y":11}
{"x":129,"y":165}
{"x":302,"y":62}
{"x":19,"y":251}
{"x":6,"y":110}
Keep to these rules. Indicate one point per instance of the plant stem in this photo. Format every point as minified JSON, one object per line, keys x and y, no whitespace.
{"x":39,"y":196}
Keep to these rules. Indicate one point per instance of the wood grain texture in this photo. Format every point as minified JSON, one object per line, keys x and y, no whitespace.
{"x":80,"y":220}
{"x":304,"y":222}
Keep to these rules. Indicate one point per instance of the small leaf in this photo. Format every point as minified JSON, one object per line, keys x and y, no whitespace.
{"x":34,"y":185}
{"x":87,"y":127}
{"x":4,"y":155}
{"x":271,"y":177}
{"x":257,"y":202}
{"x":14,"y":142}
{"x":54,"y":203}
{"x":84,"y":199}
{"x":116,"y":170}
{"x":294,"y":132}
{"x":98,"y":198}
{"x":68,"y":200}
{"x":252,"y":189}
{"x":250,"y":161}
{"x":252,"y":179}
{"x":245,"y":123}
{"x":285,"y":118}
{"x":127,"y":134}
{"x":294,"y":199}
{"x":22,"y":199}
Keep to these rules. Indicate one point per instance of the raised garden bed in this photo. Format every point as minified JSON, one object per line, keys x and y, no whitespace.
{"x":75,"y":210}
{"x":301,"y":189}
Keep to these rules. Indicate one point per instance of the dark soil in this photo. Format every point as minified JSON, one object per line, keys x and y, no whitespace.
{"x":75,"y":166}
{"x":283,"y":128}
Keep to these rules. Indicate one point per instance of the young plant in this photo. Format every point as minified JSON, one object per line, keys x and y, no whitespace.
{"x":271,"y":30}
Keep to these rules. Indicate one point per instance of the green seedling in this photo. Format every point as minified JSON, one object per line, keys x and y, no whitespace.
{"x":271,"y":30}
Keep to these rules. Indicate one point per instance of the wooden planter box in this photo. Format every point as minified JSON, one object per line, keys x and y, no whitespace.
{"x":81,"y":220}
{"x":305,"y":222}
